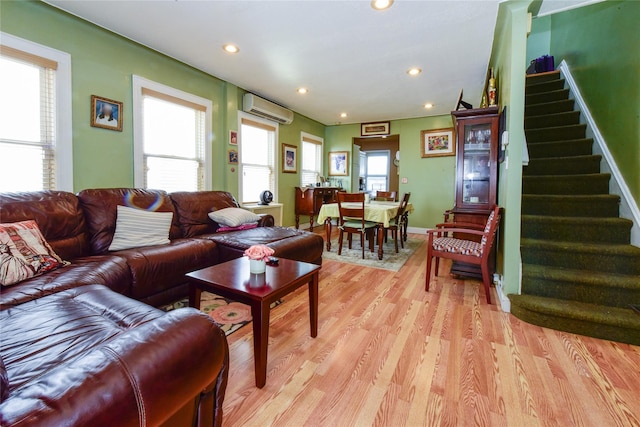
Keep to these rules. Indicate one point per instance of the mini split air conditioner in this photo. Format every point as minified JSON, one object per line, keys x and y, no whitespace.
{"x":261,"y":107}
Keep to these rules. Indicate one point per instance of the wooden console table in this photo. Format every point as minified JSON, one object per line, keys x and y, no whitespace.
{"x":309,"y":200}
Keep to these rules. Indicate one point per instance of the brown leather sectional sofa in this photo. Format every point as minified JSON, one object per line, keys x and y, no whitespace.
{"x":76,"y":351}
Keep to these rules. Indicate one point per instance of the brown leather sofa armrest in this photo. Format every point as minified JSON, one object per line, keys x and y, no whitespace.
{"x":266,"y":220}
{"x":142,"y":377}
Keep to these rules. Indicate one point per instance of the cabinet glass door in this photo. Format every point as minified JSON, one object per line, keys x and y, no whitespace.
{"x":476,"y":163}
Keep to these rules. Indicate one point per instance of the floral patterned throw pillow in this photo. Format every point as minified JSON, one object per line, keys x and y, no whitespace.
{"x":24,"y":253}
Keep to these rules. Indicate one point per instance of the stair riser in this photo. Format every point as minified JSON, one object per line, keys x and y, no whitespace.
{"x":585,"y":233}
{"x":571,"y":208}
{"x":562,"y":166}
{"x":534,"y":79}
{"x":549,"y":86}
{"x":540,"y":98}
{"x":552,"y":120}
{"x":576,"y":291}
{"x":554,"y":134}
{"x":549,"y":108}
{"x":577,"y":326}
{"x":603,"y":262}
{"x":569,"y":185}
{"x":583,"y":147}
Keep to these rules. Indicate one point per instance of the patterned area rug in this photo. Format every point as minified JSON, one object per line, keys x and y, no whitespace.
{"x":391,"y":261}
{"x":227,"y":314}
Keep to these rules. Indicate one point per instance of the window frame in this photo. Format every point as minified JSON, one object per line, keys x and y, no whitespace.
{"x":378,"y":153}
{"x":251,"y":117}
{"x":311,"y":139}
{"x":63,"y":105}
{"x":141,"y":83}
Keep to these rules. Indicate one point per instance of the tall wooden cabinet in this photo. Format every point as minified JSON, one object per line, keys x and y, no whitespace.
{"x":477,"y":149}
{"x":309,"y":200}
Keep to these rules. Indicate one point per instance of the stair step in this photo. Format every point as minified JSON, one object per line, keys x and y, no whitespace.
{"x":534,"y":79}
{"x":556,"y":133}
{"x":615,"y":290}
{"x":552,"y":120}
{"x":542,"y":87}
{"x":549,"y":107}
{"x":611,"y":258}
{"x":573,"y":147}
{"x":611,"y":323}
{"x":597,"y":183}
{"x":571,"y":165}
{"x":577,"y":229}
{"x":601,"y":205}
{"x":539,"y":98}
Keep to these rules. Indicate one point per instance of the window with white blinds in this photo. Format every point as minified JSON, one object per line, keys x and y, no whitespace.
{"x":27,"y":121}
{"x":170,"y":133}
{"x":311,"y":159}
{"x":257,"y":159}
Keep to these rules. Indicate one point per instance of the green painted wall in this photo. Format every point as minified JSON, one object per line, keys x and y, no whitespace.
{"x":508,"y":58}
{"x":102,"y":64}
{"x":601,"y":45}
{"x":431,"y":181}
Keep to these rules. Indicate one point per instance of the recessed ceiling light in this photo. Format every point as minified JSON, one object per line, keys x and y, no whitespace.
{"x":414,"y":71}
{"x":302,"y":90}
{"x":428,"y":105}
{"x":381,"y":4}
{"x":231,"y":48}
{"x":343,"y":115}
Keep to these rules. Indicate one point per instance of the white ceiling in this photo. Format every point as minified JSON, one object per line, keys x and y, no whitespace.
{"x":351,"y":57}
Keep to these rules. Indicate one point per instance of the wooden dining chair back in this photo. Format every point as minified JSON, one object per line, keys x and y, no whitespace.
{"x":351,"y":221}
{"x":397,"y":224}
{"x":386,"y":196}
{"x":442,"y":244}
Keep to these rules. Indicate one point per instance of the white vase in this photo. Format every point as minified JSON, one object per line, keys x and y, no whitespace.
{"x":257,"y":266}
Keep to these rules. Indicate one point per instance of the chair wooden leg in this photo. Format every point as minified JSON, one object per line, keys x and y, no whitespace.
{"x":362,"y":243}
{"x":486,"y":281}
{"x":394,"y":233}
{"x":437,"y":265}
{"x":401,"y":238}
{"x":350,"y":237}
{"x":428,"y":279}
{"x":340,"y":242}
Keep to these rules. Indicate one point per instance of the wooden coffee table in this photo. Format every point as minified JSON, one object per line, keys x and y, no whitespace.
{"x":232,"y":280}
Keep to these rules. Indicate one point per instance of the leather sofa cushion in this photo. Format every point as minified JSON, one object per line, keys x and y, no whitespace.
{"x":100,"y":206}
{"x":58,"y":215}
{"x":111,"y":361}
{"x":108,"y":270}
{"x":4,"y":381}
{"x":288,"y":243}
{"x":193,"y":209}
{"x":155,"y":269}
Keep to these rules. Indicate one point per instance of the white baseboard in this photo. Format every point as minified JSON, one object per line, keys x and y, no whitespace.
{"x":505,"y":303}
{"x":417,"y":230}
{"x":617,"y":185}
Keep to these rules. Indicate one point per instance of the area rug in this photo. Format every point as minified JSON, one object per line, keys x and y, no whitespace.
{"x":229,"y":315}
{"x":391,"y":261}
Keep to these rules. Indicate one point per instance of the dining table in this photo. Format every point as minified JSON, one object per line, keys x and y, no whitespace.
{"x":380,"y":212}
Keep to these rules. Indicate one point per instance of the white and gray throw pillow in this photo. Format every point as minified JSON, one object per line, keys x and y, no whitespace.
{"x":136,"y":228}
{"x":233,"y":217}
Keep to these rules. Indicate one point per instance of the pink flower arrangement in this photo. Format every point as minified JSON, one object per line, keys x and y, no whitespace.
{"x":259,"y":252}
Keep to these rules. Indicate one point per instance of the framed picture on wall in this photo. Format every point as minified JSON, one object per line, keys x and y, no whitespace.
{"x":339,"y":163}
{"x":106,"y":113}
{"x":233,"y":137}
{"x":437,"y":142}
{"x":232,"y":157}
{"x":372,"y":129}
{"x":289,"y":158}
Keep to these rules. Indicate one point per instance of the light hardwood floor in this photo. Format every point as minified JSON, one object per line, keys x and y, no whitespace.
{"x":390,"y":354}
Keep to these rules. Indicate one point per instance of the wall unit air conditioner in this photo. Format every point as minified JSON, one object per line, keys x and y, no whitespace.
{"x":261,"y":107}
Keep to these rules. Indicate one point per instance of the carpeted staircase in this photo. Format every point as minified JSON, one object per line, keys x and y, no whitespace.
{"x":579,"y":272}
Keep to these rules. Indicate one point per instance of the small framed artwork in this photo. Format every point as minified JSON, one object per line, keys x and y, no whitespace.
{"x":233,"y":137}
{"x":373,"y":129}
{"x":106,"y":113}
{"x":339,"y":163}
{"x":232,"y":157}
{"x":289,"y":158}
{"x":437,"y":142}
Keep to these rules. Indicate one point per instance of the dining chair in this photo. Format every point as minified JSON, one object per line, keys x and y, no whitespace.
{"x":386,"y":196}
{"x":440,"y":245}
{"x":351,"y":221}
{"x":398,"y":222}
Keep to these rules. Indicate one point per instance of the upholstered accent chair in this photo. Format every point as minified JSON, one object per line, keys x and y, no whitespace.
{"x":442,"y":244}
{"x":351,"y":221}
